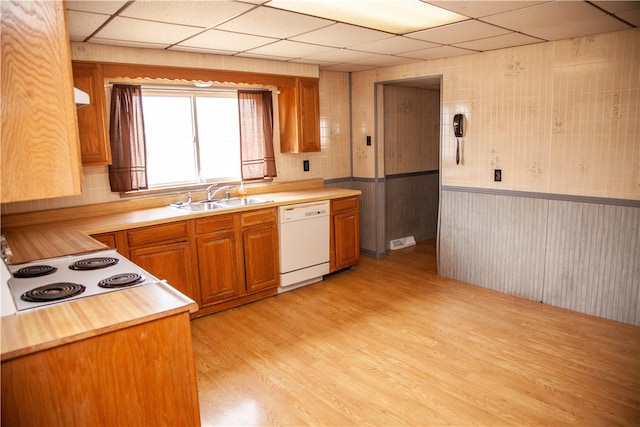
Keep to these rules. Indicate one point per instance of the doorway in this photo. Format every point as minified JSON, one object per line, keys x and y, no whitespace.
{"x":409,"y":133}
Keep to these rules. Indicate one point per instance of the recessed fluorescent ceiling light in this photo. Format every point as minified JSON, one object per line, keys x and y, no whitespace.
{"x":392,"y":16}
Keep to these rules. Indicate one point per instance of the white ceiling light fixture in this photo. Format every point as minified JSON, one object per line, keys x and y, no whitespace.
{"x":201,"y":83}
{"x":392,"y":16}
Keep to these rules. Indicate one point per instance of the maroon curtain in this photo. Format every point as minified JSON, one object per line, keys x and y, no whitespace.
{"x":128,"y":171}
{"x":256,"y":135}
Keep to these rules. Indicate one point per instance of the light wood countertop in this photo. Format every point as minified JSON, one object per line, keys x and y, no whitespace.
{"x":50,"y":326}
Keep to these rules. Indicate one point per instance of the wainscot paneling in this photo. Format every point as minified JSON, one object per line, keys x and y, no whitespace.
{"x":593,"y":259}
{"x":493,"y":241}
{"x":371,"y":216}
{"x":412,"y":206}
{"x":576,"y":254}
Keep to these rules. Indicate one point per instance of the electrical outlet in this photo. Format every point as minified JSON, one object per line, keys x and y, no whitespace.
{"x":305,"y":165}
{"x":497,"y":175}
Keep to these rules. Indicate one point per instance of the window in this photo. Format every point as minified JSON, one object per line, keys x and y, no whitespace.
{"x":191,"y":137}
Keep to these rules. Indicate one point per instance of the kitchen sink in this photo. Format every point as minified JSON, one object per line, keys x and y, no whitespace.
{"x":240,"y":201}
{"x":199,"y":206}
{"x":212,"y":205}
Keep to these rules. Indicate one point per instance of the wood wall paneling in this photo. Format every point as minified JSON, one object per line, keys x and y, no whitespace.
{"x":593,"y":259}
{"x":571,"y":254}
{"x":494,"y":241}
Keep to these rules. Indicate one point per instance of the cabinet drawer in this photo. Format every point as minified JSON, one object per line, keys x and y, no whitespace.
{"x":347,"y":204}
{"x":262,"y":216}
{"x":173,"y":232}
{"x":214,"y":224}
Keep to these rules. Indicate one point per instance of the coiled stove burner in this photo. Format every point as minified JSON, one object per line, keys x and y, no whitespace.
{"x":53,"y":292}
{"x":93,"y":263}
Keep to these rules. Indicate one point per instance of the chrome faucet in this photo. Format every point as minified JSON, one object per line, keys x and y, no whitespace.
{"x":211,"y":193}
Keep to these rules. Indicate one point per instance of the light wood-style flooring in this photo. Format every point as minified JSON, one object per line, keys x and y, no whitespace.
{"x":389,"y":343}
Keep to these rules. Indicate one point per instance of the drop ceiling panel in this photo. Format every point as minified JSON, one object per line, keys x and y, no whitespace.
{"x":264,"y":21}
{"x":341,"y":35}
{"x":394,"y":44}
{"x":544,"y":15}
{"x":600,"y":24}
{"x":105,"y":7}
{"x":83,"y":24}
{"x":438,"y":52}
{"x":630,"y":16}
{"x":499,"y":42}
{"x":203,"y":14}
{"x":225,"y":40}
{"x":136,"y":30}
{"x":290,"y":49}
{"x":386,"y":60}
{"x":459,"y":32}
{"x":340,"y":55}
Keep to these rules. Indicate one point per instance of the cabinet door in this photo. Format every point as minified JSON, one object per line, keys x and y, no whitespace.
{"x":170,"y":262}
{"x":261,"y":257}
{"x":309,"y":115}
{"x":299,"y":116}
{"x":219,"y":267}
{"x":39,"y":130}
{"x":346,"y":227}
{"x":94,"y":136}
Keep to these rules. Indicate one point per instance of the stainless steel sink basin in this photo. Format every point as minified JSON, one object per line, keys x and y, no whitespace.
{"x":199,"y":206}
{"x":238,"y":201}
{"x":212,"y":205}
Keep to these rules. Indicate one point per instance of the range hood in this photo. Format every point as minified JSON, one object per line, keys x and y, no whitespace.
{"x":81,"y":97}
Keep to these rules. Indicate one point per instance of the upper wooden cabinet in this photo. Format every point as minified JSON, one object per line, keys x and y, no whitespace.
{"x":299,"y":114}
{"x":92,"y":127}
{"x":40,"y":149}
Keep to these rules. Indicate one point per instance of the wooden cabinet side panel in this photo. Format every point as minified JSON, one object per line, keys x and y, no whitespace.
{"x":107,"y":239}
{"x":94,"y":136}
{"x":288,"y":119}
{"x":143,"y":375}
{"x":39,"y":131}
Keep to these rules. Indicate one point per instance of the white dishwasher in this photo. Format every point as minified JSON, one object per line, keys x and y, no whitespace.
{"x":304,"y":244}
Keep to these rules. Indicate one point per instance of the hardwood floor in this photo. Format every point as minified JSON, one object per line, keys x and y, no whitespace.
{"x":391,"y":343}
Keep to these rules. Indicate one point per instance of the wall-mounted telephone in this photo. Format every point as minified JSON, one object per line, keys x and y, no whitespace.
{"x":457,"y":125}
{"x":458,"y":131}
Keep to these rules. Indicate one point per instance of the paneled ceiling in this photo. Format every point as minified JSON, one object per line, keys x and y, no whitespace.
{"x":296,"y":31}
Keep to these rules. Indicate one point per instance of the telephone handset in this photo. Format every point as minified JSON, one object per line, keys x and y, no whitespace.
{"x":458,"y":131}
{"x":457,"y":125}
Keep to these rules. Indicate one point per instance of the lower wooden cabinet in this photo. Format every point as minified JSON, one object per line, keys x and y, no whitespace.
{"x":219,"y":259}
{"x":237,"y":258}
{"x":165,"y":251}
{"x":222,"y":261}
{"x":142,"y":375}
{"x":261,"y":251}
{"x":345,"y":233}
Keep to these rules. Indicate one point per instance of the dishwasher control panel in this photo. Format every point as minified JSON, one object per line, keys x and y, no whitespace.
{"x":303,"y":211}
